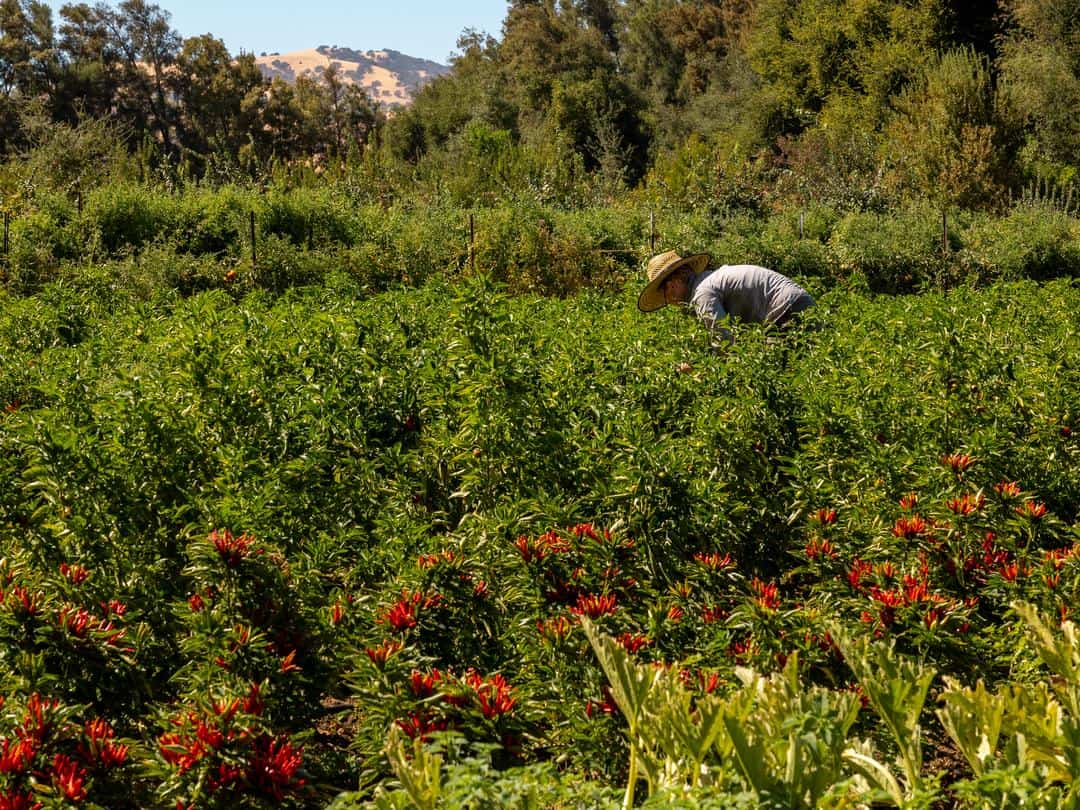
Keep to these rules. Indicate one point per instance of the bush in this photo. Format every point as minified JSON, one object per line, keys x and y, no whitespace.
{"x":535,"y":250}
{"x":280,"y":264}
{"x":528,"y":245}
{"x":954,"y":137}
{"x":125,"y":217}
{"x":312,"y":217}
{"x":1030,"y":242}
{"x":896,"y":252}
{"x":213,"y":222}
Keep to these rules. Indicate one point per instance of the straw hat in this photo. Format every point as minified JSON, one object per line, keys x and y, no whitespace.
{"x":660,"y":268}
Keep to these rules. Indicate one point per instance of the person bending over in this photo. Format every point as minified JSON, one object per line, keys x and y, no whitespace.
{"x":743,"y":291}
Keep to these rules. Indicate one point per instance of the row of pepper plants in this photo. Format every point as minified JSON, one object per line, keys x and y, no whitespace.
{"x":448,"y":547}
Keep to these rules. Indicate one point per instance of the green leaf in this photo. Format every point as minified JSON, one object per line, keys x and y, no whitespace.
{"x":696,"y":732}
{"x":973,"y":718}
{"x":630,"y":683}
{"x":896,"y":688}
{"x":1060,"y":654}
{"x":878,"y":773}
{"x":420,"y":775}
{"x":749,"y":755}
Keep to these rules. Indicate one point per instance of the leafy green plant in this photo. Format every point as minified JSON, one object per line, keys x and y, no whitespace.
{"x":896,"y":687}
{"x":1022,"y":741}
{"x":425,"y":490}
{"x":788,"y":744}
{"x":418,"y":770}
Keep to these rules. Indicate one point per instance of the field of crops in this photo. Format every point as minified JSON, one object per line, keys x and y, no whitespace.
{"x":451,"y":547}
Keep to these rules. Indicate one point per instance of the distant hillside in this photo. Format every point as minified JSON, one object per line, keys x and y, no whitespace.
{"x":390,"y":77}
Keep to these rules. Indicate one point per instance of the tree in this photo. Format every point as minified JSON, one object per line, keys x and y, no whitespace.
{"x":92,"y":74}
{"x":954,"y":138}
{"x":148,"y":47}
{"x":70,"y":158}
{"x":210,"y":88}
{"x":1040,"y":66}
{"x":678,"y":56}
{"x":28,"y":63}
{"x":349,"y":112}
{"x":975,"y":24}
{"x":602,"y":16}
{"x":566,"y":84}
{"x":27,"y":48}
{"x":811,"y":50}
{"x":477,"y":89}
{"x":284,"y":130}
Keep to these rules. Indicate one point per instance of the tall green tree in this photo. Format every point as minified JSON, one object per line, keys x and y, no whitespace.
{"x":28,"y":63}
{"x":348,"y":111}
{"x":477,"y":89}
{"x":682,"y":59}
{"x":954,"y":137}
{"x":210,"y":87}
{"x":148,"y":47}
{"x":27,"y":47}
{"x":280,"y":134}
{"x":810,"y":51}
{"x":93,"y":69}
{"x":1040,"y":65}
{"x":601,"y":15}
{"x":567,"y":84}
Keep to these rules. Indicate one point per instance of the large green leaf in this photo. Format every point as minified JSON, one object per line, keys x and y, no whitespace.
{"x":1061,"y":654}
{"x":418,"y":770}
{"x":630,"y":683}
{"x":896,"y":688}
{"x":973,"y":718}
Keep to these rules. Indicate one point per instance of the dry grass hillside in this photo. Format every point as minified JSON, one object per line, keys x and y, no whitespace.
{"x":390,"y":77}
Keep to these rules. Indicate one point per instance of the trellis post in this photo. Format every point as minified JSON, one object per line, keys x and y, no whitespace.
{"x":472,"y":243}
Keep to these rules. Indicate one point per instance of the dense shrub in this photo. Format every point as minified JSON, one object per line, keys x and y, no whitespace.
{"x":528,"y":245}
{"x":126,"y":217}
{"x":308,"y":216}
{"x":207,"y":222}
{"x":895,"y":252}
{"x":1028,"y":243}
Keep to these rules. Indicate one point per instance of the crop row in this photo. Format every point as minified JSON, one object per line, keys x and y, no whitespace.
{"x":243,"y":538}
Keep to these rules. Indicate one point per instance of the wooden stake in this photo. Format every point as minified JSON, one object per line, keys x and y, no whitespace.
{"x":944,"y":233}
{"x":802,"y":222}
{"x":252,"y":238}
{"x":652,"y":232}
{"x":7,"y":223}
{"x":472,"y":244}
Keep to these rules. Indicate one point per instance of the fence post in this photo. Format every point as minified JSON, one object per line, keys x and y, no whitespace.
{"x":472,"y":244}
{"x":252,"y":238}
{"x":802,"y":222}
{"x":652,"y":233}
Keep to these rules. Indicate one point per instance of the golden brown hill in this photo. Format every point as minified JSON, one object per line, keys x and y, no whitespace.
{"x":390,"y":77}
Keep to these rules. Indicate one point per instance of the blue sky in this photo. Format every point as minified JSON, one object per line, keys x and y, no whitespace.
{"x":424,"y":28}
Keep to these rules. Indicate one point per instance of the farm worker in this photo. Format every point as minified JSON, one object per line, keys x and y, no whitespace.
{"x":744,"y":291}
